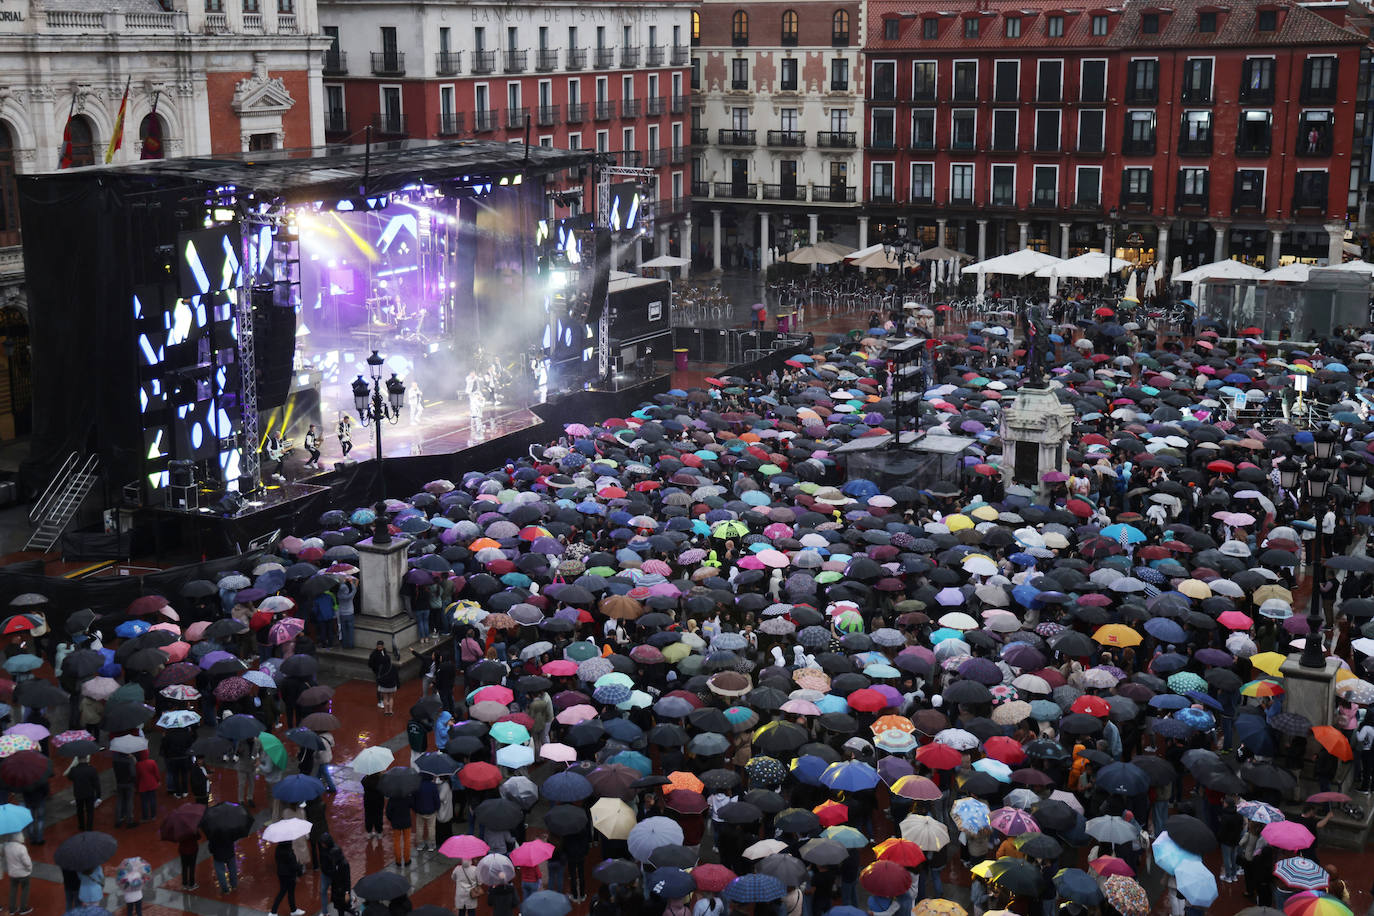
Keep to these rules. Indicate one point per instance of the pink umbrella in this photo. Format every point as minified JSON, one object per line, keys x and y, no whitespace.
{"x":169,"y":627}
{"x":560,"y":753}
{"x":774,"y":559}
{"x":777,"y":530}
{"x":496,"y":693}
{"x":176,"y":651}
{"x":1288,"y":835}
{"x":656,"y":568}
{"x":464,"y":846}
{"x":285,"y":630}
{"x":28,"y":730}
{"x":196,"y":631}
{"x":575,"y":714}
{"x":532,"y":853}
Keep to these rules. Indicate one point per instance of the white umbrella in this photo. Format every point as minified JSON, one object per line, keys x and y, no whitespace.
{"x":1358,"y":267}
{"x":1291,"y":273}
{"x":879,"y":259}
{"x":1017,"y":264}
{"x":1090,"y":266}
{"x":1219,"y":270}
{"x":666,"y":260}
{"x":837,"y":247}
{"x":815,"y":254}
{"x":982,"y":284}
{"x":284,"y":831}
{"x":940,"y":253}
{"x":863,"y":252}
{"x":1178,"y":265}
{"x":1131,"y":290}
{"x":1054,"y":284}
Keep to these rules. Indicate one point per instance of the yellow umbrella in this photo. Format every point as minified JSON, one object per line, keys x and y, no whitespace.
{"x":984,"y":514}
{"x":1195,"y":588}
{"x":1265,"y":592}
{"x":1117,"y":634}
{"x":958,"y":522}
{"x":676,"y":652}
{"x":1271,"y":663}
{"x":982,"y":868}
{"x":613,"y":818}
{"x":938,"y":906}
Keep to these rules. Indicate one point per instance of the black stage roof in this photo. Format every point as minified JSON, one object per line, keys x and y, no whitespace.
{"x":304,"y":175}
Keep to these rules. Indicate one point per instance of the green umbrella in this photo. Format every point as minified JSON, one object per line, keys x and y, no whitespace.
{"x":272,"y":747}
{"x":580,"y":651}
{"x":730,"y":529}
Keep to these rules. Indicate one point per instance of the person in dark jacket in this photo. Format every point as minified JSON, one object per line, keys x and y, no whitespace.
{"x":221,"y":848}
{"x":85,"y":781}
{"x":388,"y":678}
{"x":445,"y":674}
{"x":199,"y":782}
{"x":1230,"y":828}
{"x":318,"y":817}
{"x":288,"y":871}
{"x":374,"y":802}
{"x":176,"y":750}
{"x":398,"y":812}
{"x":126,"y":779}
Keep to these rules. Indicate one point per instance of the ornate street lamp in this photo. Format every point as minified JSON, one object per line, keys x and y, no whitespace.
{"x":1318,"y":483}
{"x":373,"y":408}
{"x":901,"y":249}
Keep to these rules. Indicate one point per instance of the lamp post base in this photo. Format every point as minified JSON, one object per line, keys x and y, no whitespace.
{"x":1311,"y":692}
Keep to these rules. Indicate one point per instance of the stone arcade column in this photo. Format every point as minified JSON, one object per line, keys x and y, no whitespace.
{"x":814,"y":219}
{"x":982,"y":240}
{"x":1221,"y":240}
{"x":941,"y":225}
{"x":1024,"y":227}
{"x":1034,"y":430}
{"x":715,"y":239}
{"x":765,"y":241}
{"x":1335,"y":247}
{"x":1162,"y":251}
{"x":863,"y":238}
{"x":688,"y":245}
{"x":1275,"y":249}
{"x":1064,"y":239}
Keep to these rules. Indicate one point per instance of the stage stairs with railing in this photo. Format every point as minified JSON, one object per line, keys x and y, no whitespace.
{"x":54,"y":510}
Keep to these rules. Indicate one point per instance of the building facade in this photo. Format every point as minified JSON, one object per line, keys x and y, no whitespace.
{"x":203,"y":77}
{"x":607,"y":76}
{"x":777,"y":126}
{"x":1194,"y":130}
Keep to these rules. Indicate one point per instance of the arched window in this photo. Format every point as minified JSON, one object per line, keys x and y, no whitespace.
{"x":82,"y":150}
{"x":739,"y":28}
{"x":696,"y":27}
{"x":839,"y":28}
{"x":789,"y":28}
{"x":9,"y":199}
{"x":150,"y":133}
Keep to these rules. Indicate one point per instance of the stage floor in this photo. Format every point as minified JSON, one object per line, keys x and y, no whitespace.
{"x":442,"y":427}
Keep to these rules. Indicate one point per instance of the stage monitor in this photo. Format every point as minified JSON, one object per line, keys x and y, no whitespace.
{"x":627,"y":204}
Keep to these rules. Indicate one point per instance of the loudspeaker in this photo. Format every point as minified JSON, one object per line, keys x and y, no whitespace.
{"x":274,"y":338}
{"x":182,"y":473}
{"x":601,"y":275}
{"x":228,"y":504}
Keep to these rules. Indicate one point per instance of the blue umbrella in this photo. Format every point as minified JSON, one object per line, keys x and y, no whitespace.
{"x":1164,"y":629}
{"x":566,"y":787}
{"x":131,"y":628}
{"x":809,"y":768}
{"x":754,"y":888}
{"x":546,"y":903}
{"x":634,"y":760}
{"x":297,"y":789}
{"x":14,"y":818}
{"x":1200,"y":719}
{"x":850,"y":776}
{"x":1254,"y":733}
{"x":1133,"y":534}
{"x":19,"y":664}
{"x":671,"y":883}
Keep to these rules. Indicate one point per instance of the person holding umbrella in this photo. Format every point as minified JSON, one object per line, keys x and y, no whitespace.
{"x":399,"y":814}
{"x":85,"y":782}
{"x":467,"y":888}
{"x":289,"y":870}
{"x":19,"y":867}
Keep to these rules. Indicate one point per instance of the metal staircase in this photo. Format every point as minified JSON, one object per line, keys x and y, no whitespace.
{"x":55,"y":509}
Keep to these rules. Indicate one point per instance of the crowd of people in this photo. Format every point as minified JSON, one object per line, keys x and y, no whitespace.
{"x":681,"y":663}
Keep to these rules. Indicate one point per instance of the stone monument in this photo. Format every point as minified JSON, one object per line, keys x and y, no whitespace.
{"x":1310,"y":692}
{"x":381,"y":573}
{"x":1035,"y":430}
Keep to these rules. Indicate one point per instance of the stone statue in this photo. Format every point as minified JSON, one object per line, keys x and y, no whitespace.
{"x":1037,"y":345}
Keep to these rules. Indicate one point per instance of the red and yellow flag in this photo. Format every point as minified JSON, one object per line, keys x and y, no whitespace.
{"x":117,"y":135}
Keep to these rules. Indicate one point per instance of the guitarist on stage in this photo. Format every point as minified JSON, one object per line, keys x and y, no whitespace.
{"x":274,"y":449}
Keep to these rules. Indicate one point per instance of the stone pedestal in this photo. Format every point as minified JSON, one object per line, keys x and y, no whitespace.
{"x":1310,"y":692}
{"x":381,"y":569}
{"x":1034,"y":431}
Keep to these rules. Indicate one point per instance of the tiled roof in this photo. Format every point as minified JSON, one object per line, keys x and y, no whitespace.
{"x":1237,"y":24}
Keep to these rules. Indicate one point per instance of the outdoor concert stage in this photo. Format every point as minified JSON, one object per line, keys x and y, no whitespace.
{"x":184,"y":309}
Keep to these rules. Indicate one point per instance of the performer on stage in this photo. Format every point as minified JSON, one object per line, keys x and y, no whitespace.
{"x":346,"y":434}
{"x":274,"y":450}
{"x":415,"y":399}
{"x":473,"y":388}
{"x":312,"y":447}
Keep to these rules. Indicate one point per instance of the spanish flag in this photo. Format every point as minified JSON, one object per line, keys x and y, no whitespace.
{"x":117,"y":135}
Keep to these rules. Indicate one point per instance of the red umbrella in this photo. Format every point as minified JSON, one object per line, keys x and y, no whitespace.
{"x":712,"y":878}
{"x":1007,"y":750}
{"x":182,"y":823}
{"x":24,"y":769}
{"x":938,"y":756}
{"x":866,"y":699}
{"x":480,"y":776}
{"x":148,"y":604}
{"x":885,"y":879}
{"x":832,"y":814}
{"x":1221,"y":467}
{"x":1093,"y":706}
{"x":1079,"y":508}
{"x":1103,"y":312}
{"x":904,"y":852}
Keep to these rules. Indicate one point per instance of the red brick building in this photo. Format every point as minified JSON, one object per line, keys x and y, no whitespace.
{"x":610,"y":76}
{"x":1193,"y":129}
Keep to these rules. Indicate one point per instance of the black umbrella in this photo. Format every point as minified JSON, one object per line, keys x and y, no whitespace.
{"x":42,"y":693}
{"x":79,"y":664}
{"x":382,"y":885}
{"x":499,"y":814}
{"x":399,"y":783}
{"x":85,"y":850}
{"x":616,"y":871}
{"x":123,"y":717}
{"x":675,"y":856}
{"x":1053,"y":814}
{"x":1191,"y":834}
{"x":1015,"y":876}
{"x":211,"y":746}
{"x":300,"y":665}
{"x":797,"y":820}
{"x":562,"y":820}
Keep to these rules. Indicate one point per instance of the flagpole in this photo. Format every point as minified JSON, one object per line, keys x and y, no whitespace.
{"x":64,"y":148}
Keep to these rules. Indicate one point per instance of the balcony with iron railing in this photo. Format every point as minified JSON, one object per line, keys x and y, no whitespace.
{"x":1047,"y":144}
{"x":388,"y":63}
{"x":335,"y":63}
{"x":654,"y":57}
{"x":737,"y":190}
{"x":546,"y":59}
{"x":923,"y":143}
{"x":1138,"y":146}
{"x":547,"y":115}
{"x":577,"y":112}
{"x":923,"y":195}
{"x":516,"y":118}
{"x":1195,"y":146}
{"x":516,"y":60}
{"x":678,"y":155}
{"x":605,"y":58}
{"x":788,"y":191}
{"x":833,"y":194}
{"x":1090,"y":147}
{"x":631,"y":108}
{"x":739,"y":85}
{"x":728,"y":137}
{"x":839,"y":39}
{"x":656,"y":158}
{"x":787,"y":138}
{"x":1309,"y":146}
{"x":1309,"y":200}
{"x":451,"y":123}
{"x":629,"y":58}
{"x":701,"y":189}
{"x":677,"y":104}
{"x":335,"y":121}
{"x":1137,"y":200}
{"x":605,"y":110}
{"x":1249,"y":201}
{"x":447,"y":63}
{"x":576,"y":58}
{"x":389,"y":125}
{"x":1196,"y":95}
{"x":681,"y":55}
{"x":883,"y":196}
{"x":839,"y":85}
{"x":1196,"y":201}
{"x":962,"y":199}
{"x":1044,"y":200}
{"x":700,"y":136}
{"x":837,"y":139}
{"x":883,"y":141}
{"x":1256,"y":95}
{"x":486,"y":120}
{"x":1086,"y":203}
{"x":483,"y":62}
{"x":1142,"y":95}
{"x":656,"y":105}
